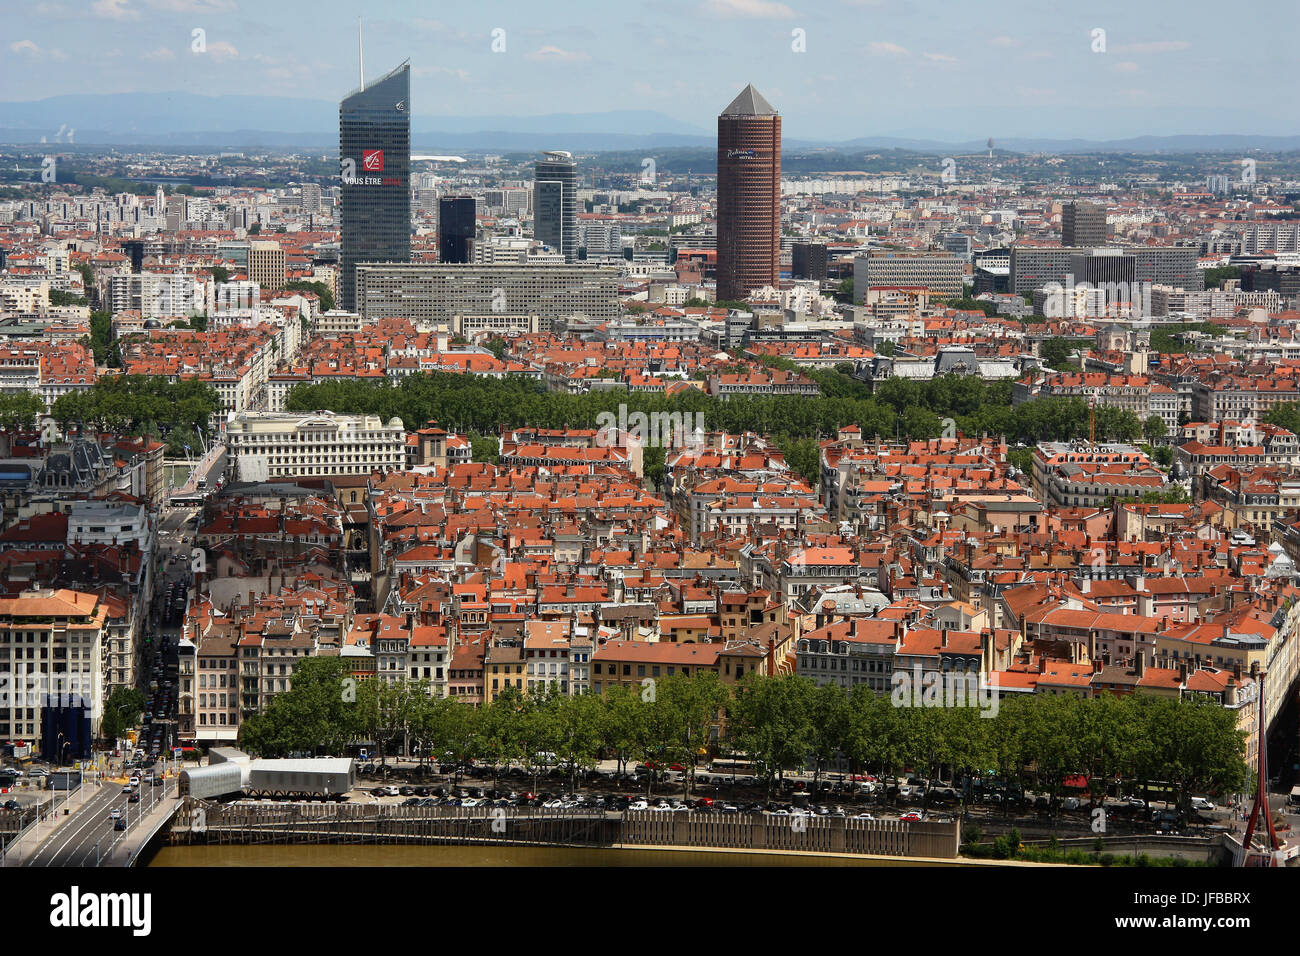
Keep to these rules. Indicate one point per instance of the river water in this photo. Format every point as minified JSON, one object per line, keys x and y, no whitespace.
{"x":391,"y":855}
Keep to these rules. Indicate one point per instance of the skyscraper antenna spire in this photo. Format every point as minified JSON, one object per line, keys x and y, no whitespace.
{"x":361,"y":55}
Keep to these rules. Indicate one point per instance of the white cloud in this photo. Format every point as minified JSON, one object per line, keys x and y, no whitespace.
{"x":754,"y":9}
{"x":221,"y":50}
{"x":1126,"y":66}
{"x":427,"y":71}
{"x":553,"y":54}
{"x":193,"y":6}
{"x":160,"y":55}
{"x":940,"y":57}
{"x":114,"y":10}
{"x":1155,"y":46}
{"x":28,"y":48}
{"x":1004,"y":41}
{"x":884,"y":48}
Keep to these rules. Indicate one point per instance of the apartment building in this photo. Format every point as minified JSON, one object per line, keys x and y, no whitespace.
{"x":51,"y":661}
{"x":155,"y":295}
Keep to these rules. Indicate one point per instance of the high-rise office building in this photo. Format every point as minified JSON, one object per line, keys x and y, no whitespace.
{"x":555,"y":203}
{"x":1083,"y":224}
{"x":808,"y":260}
{"x":456,"y":228}
{"x":135,"y":250}
{"x":266,"y":264}
{"x":749,"y":195}
{"x":375,"y":165}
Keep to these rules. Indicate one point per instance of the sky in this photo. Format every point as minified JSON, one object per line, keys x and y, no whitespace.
{"x":835,"y":69}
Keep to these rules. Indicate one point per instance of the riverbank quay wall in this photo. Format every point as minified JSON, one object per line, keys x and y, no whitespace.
{"x":201,"y":822}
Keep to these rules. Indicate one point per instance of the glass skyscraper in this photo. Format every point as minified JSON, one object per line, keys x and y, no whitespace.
{"x":555,"y":203}
{"x":375,"y":167}
{"x":456,"y":228}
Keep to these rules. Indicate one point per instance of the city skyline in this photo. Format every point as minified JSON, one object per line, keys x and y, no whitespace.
{"x":841,"y":70}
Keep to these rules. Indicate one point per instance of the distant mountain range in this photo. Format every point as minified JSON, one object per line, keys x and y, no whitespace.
{"x":180,"y":120}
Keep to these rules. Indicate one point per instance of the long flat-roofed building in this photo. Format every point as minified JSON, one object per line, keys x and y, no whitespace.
{"x":288,"y":444}
{"x":432,"y":294}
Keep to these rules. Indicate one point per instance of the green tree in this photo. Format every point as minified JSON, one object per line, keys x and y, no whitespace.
{"x":320,"y":288}
{"x":1284,"y":415}
{"x":654,"y":467}
{"x":20,"y":411}
{"x":770,"y":719}
{"x":122,"y":711}
{"x":1056,"y":352}
{"x":485,"y":447}
{"x":803,"y":456}
{"x":690,"y":707}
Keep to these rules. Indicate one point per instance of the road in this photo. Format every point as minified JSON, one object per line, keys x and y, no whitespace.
{"x":89,"y":835}
{"x":209,"y":468}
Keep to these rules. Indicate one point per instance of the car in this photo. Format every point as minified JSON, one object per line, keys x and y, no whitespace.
{"x":1203,"y":803}
{"x":411,"y":802}
{"x":134,"y":798}
{"x":157,"y":780}
{"x":115,"y":813}
{"x":1071,"y":803}
{"x":910,"y":817}
{"x":38,"y":772}
{"x":638,"y":805}
{"x":13,"y":805}
{"x":119,"y":823}
{"x":1137,"y":803}
{"x":127,"y":788}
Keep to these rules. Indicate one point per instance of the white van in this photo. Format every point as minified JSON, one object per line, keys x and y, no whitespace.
{"x":1202,"y":803}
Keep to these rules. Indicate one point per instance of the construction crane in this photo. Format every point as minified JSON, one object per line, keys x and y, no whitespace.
{"x":1092,"y":419}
